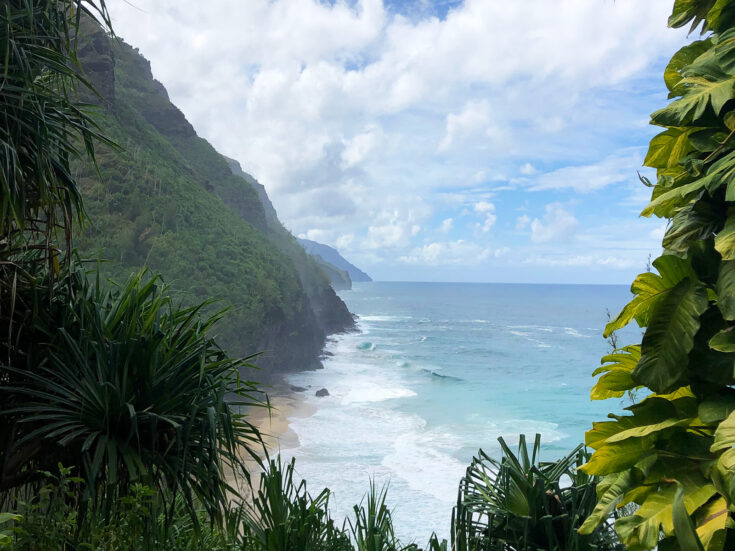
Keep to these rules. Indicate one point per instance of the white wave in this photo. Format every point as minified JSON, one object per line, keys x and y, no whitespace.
{"x":536,"y":342}
{"x":511,"y":430}
{"x":423,"y":461}
{"x":385,"y":318}
{"x":370,"y":392}
{"x":544,"y":328}
{"x":574,"y":333}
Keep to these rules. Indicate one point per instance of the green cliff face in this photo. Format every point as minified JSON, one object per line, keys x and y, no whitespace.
{"x":171,"y":202}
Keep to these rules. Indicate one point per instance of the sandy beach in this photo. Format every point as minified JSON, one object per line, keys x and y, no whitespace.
{"x":274,"y":426}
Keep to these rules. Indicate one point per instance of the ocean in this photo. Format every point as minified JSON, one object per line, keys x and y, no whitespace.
{"x":439,"y":370}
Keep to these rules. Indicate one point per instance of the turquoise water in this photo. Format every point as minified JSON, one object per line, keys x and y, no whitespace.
{"x":439,"y":370}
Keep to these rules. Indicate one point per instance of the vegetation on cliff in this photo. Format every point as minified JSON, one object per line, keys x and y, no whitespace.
{"x":167,"y":200}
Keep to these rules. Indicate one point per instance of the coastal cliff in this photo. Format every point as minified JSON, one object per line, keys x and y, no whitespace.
{"x":170,"y":201}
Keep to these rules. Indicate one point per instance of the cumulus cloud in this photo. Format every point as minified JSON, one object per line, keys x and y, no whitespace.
{"x":486,"y":209}
{"x":360,"y":146}
{"x":557,"y":224}
{"x":450,"y":252}
{"x":522,"y":221}
{"x":472,"y":120}
{"x":339,"y":108}
{"x":447,"y":225}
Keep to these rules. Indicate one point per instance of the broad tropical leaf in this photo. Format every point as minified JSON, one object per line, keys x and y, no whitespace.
{"x":670,"y":336}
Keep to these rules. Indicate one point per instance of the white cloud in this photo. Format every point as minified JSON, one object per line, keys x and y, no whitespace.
{"x":468,"y":123}
{"x":452,"y":252}
{"x":615,"y":169}
{"x":344,"y":241}
{"x":338,"y":108}
{"x":486,"y":209}
{"x":557,"y":224}
{"x":527,"y":169}
{"x":522,"y":221}
{"x":360,"y":146}
{"x":447,"y":225}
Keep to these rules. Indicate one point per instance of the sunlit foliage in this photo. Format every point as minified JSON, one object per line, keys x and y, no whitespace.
{"x":672,"y":456}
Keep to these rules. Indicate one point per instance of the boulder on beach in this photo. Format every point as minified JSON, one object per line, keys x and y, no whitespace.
{"x":322,"y":392}
{"x":295,"y":388}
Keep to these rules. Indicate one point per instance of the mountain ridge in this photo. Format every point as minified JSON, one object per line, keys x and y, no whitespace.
{"x":171,"y":202}
{"x":333,"y":257}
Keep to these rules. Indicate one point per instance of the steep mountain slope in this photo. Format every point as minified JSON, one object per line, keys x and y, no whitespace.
{"x":332,"y":256}
{"x":339,"y":278}
{"x":168,"y":200}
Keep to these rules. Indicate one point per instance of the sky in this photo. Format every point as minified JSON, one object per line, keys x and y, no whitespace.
{"x":431,"y":140}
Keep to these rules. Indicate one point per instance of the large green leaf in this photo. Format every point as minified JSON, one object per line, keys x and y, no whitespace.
{"x":669,"y":147}
{"x":711,"y":522}
{"x":725,"y":288}
{"x":656,"y":512}
{"x":612,"y":385}
{"x":697,"y":94}
{"x":725,"y":240}
{"x":685,"y":531}
{"x":721,"y":16}
{"x":670,"y":336}
{"x":663,"y":204}
{"x":723,"y":476}
{"x":615,"y":487}
{"x":645,"y":430}
{"x":689,"y":10}
{"x":617,"y":368}
{"x":695,"y":222}
{"x":724,"y":51}
{"x":617,"y":457}
{"x":725,"y":434}
{"x":718,"y":406}
{"x":681,"y":59}
{"x":724,"y":341}
{"x":649,"y":288}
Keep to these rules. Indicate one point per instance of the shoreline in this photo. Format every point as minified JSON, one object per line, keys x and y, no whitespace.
{"x":274,"y":426}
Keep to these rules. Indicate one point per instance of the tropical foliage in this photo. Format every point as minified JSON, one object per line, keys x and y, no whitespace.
{"x":129,"y":389}
{"x":284,"y":516}
{"x":518,"y":503}
{"x":120,"y":382}
{"x":521,"y":503}
{"x":672,"y":455}
{"x":128,"y":386}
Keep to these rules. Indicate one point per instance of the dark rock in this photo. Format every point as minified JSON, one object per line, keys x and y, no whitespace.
{"x":322,"y":392}
{"x":295,"y":388}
